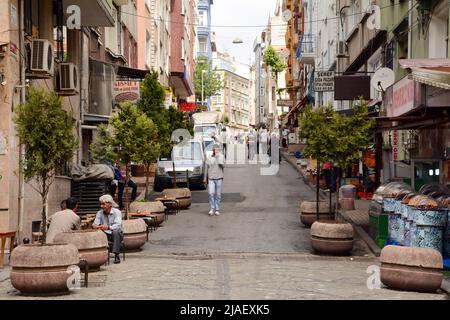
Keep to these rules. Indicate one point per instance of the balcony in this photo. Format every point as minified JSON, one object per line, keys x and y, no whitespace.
{"x":95,"y":13}
{"x":306,"y":52}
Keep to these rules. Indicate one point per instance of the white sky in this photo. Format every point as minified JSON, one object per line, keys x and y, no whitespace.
{"x":240,"y":13}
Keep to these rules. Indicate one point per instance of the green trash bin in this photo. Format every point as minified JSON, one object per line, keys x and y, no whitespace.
{"x":378,"y":223}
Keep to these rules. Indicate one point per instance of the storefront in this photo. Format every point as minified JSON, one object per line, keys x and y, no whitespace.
{"x":416,"y":127}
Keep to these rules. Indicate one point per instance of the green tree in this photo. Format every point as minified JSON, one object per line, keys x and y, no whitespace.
{"x":334,"y":137}
{"x":211,"y":80}
{"x":148,"y":148}
{"x":272,"y":59}
{"x":47,"y":133}
{"x":122,"y":141}
{"x":166,"y":119}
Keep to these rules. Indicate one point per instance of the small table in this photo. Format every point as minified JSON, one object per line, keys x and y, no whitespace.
{"x":4,"y":236}
{"x":144,"y":216}
{"x":171,"y":203}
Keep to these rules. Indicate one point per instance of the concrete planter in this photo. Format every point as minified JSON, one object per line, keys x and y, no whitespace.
{"x":42,"y":269}
{"x":154,"y":209}
{"x":308,"y":212}
{"x":91,"y":244}
{"x":134,"y":233}
{"x":411,"y":268}
{"x":332,"y":237}
{"x":183,"y":195}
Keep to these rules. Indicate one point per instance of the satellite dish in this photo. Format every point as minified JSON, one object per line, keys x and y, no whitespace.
{"x":286,"y":15}
{"x":383,"y":79}
{"x":374,"y":21}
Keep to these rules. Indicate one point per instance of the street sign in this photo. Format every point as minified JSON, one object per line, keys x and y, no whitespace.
{"x":324,"y":81}
{"x":285,"y":103}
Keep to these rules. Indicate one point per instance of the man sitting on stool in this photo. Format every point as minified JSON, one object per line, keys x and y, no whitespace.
{"x":109,"y":220}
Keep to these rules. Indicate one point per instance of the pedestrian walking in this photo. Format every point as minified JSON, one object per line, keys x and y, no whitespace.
{"x":224,"y":141}
{"x":215,"y":165}
{"x":251,"y":138}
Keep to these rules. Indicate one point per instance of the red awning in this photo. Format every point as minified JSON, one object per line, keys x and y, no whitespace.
{"x":295,"y":108}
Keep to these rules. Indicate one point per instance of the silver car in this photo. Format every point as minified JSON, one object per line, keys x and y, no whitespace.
{"x":189,"y":160}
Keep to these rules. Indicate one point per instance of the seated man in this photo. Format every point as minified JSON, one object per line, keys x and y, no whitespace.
{"x":109,"y":220}
{"x":65,"y":220}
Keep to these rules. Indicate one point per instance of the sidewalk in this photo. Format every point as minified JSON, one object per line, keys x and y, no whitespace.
{"x":359,"y":217}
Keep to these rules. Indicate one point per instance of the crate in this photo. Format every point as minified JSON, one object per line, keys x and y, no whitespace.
{"x":88,"y":193}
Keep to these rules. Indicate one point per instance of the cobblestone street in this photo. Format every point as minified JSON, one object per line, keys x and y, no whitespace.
{"x":256,"y":250}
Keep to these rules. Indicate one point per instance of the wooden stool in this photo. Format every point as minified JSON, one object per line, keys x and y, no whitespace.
{"x":4,"y":236}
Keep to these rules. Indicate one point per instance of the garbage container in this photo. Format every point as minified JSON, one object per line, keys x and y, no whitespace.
{"x":378,"y":223}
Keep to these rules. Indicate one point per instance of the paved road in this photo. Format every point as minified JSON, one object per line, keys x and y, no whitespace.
{"x":257,"y":249}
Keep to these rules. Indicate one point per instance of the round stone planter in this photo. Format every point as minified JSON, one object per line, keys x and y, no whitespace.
{"x":411,"y":268}
{"x":42,"y":269}
{"x":91,"y":244}
{"x":153,"y":209}
{"x":308,"y":212}
{"x":332,"y":237}
{"x":134,"y":233}
{"x":183,"y":195}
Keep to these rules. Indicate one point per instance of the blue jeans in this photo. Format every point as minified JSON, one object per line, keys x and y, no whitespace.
{"x":215,"y":194}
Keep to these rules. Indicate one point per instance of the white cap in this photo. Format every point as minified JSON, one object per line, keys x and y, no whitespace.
{"x":109,"y":199}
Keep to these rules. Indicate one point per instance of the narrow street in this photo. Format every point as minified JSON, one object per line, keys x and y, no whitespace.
{"x":257,"y":249}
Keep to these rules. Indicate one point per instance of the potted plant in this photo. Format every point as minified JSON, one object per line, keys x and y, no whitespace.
{"x":45,"y":131}
{"x":341,"y":140}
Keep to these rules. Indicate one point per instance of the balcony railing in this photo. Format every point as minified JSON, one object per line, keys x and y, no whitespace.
{"x":306,"y":51}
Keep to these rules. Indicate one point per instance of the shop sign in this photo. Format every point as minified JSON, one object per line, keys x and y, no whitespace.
{"x":126,"y":91}
{"x":402,"y":97}
{"x":395,"y":144}
{"x":188,"y":106}
{"x":285,"y":103}
{"x":324,"y":81}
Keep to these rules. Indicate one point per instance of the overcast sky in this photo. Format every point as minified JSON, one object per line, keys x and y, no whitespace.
{"x":240,"y":13}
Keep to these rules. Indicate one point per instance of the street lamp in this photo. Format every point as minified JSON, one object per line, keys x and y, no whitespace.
{"x":203,"y":100}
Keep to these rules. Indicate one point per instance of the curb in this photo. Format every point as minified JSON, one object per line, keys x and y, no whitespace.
{"x":324,"y":196}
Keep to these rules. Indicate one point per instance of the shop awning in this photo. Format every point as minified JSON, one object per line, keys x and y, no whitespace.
{"x":131,"y":73}
{"x":294,"y":109}
{"x":432,"y":72}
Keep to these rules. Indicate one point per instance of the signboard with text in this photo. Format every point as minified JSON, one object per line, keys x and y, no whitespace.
{"x":402,"y":97}
{"x":126,"y":91}
{"x":324,"y":81}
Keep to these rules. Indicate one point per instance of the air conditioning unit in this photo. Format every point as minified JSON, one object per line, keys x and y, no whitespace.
{"x":341,"y":49}
{"x":42,"y":58}
{"x":68,"y":78}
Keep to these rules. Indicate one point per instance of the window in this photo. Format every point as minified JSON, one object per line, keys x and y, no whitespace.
{"x":202,"y":46}
{"x":202,"y":18}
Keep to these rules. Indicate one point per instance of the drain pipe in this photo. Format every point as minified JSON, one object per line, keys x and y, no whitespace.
{"x":22,"y":100}
{"x":410,"y":24}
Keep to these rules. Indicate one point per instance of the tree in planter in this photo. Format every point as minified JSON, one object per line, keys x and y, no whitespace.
{"x":121,"y":142}
{"x":353,"y":136}
{"x":47,"y":133}
{"x":148,"y":149}
{"x":317,"y":127}
{"x":336,"y":138}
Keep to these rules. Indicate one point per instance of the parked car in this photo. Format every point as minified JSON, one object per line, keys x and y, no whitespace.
{"x":190,"y":163}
